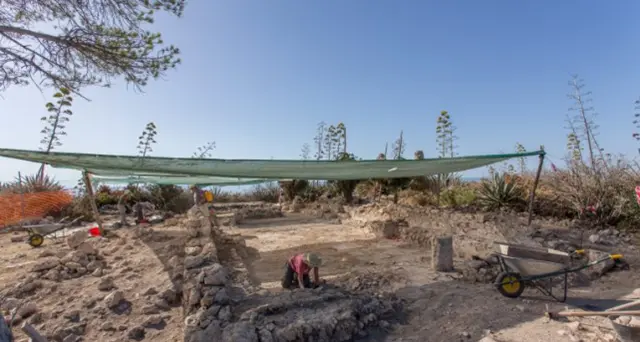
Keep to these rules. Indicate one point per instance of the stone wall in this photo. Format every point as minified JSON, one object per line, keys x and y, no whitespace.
{"x":262,"y":212}
{"x":205,"y":300}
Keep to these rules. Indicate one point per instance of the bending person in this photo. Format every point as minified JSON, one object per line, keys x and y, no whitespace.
{"x":297,"y":271}
{"x":122,"y":207}
{"x":205,"y":206}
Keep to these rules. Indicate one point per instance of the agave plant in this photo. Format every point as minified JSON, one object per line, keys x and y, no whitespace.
{"x":33,"y":183}
{"x":500,"y":192}
{"x":30,"y":184}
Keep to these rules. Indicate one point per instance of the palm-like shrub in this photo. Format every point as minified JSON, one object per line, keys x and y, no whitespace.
{"x":500,"y":192}
{"x":31,"y":184}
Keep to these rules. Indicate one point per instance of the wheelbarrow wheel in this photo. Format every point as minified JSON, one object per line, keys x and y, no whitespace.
{"x":510,"y":284}
{"x":36,"y":240}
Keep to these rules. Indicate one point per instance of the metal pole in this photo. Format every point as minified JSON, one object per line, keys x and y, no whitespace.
{"x":535,"y":186}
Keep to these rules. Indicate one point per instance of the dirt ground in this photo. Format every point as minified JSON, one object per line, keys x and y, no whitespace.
{"x":344,"y":249}
{"x":76,"y":306}
{"x":438,"y":306}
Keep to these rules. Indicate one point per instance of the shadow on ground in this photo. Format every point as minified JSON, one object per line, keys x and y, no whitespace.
{"x":168,"y":246}
{"x":441,"y":311}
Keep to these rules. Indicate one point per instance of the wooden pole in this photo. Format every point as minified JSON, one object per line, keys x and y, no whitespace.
{"x":624,"y":306}
{"x":21,"y":198}
{"x":592,"y":313}
{"x":535,"y":186}
{"x":92,"y":199}
{"x":32,"y":333}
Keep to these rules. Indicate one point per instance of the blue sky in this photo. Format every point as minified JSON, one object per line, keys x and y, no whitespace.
{"x":258,"y":76}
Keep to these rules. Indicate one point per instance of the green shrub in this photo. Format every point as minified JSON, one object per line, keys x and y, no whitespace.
{"x":367,"y":188}
{"x":458,"y":196}
{"x":180,"y":204}
{"x":138,"y":193}
{"x":314,"y":192}
{"x":293,"y":188}
{"x":416,"y":198}
{"x":104,"y":189}
{"x":608,"y":191}
{"x":80,"y":206}
{"x":103,"y":198}
{"x":345,"y":188}
{"x":162,"y":195}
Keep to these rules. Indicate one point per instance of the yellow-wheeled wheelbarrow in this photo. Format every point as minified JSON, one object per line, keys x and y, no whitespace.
{"x":37,"y":232}
{"x":523,"y":266}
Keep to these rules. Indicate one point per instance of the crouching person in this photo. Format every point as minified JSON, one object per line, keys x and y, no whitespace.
{"x":297,"y":271}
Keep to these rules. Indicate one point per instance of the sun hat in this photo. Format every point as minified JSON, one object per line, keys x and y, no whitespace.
{"x":312,"y":259}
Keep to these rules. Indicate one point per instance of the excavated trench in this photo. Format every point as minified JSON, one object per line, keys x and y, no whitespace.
{"x":223,"y":301}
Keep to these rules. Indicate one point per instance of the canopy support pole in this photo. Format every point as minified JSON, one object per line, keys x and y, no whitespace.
{"x":92,"y":200}
{"x":535,"y":186}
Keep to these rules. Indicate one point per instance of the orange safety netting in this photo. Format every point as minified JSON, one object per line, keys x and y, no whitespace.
{"x":17,"y":207}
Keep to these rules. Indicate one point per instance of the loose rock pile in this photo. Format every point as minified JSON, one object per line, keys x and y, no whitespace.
{"x":609,"y":237}
{"x":577,"y":331}
{"x":372,"y":282}
{"x":323,"y":314}
{"x":83,"y":259}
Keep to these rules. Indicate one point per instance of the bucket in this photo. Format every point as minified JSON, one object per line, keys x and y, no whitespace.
{"x":625,"y":333}
{"x":95,"y":231}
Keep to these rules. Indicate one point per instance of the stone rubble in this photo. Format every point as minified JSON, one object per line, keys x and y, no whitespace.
{"x":81,"y":261}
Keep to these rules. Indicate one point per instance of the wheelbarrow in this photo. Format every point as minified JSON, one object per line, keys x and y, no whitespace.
{"x":523,"y":266}
{"x":625,"y":333}
{"x":37,"y":232}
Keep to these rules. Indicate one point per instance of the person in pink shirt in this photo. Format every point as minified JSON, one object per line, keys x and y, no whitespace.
{"x":297,"y":271}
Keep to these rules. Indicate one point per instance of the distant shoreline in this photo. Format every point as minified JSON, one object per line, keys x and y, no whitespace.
{"x":242,"y":188}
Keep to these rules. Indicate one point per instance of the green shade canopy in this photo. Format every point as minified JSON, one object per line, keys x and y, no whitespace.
{"x":181,"y":169}
{"x":185,"y":180}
